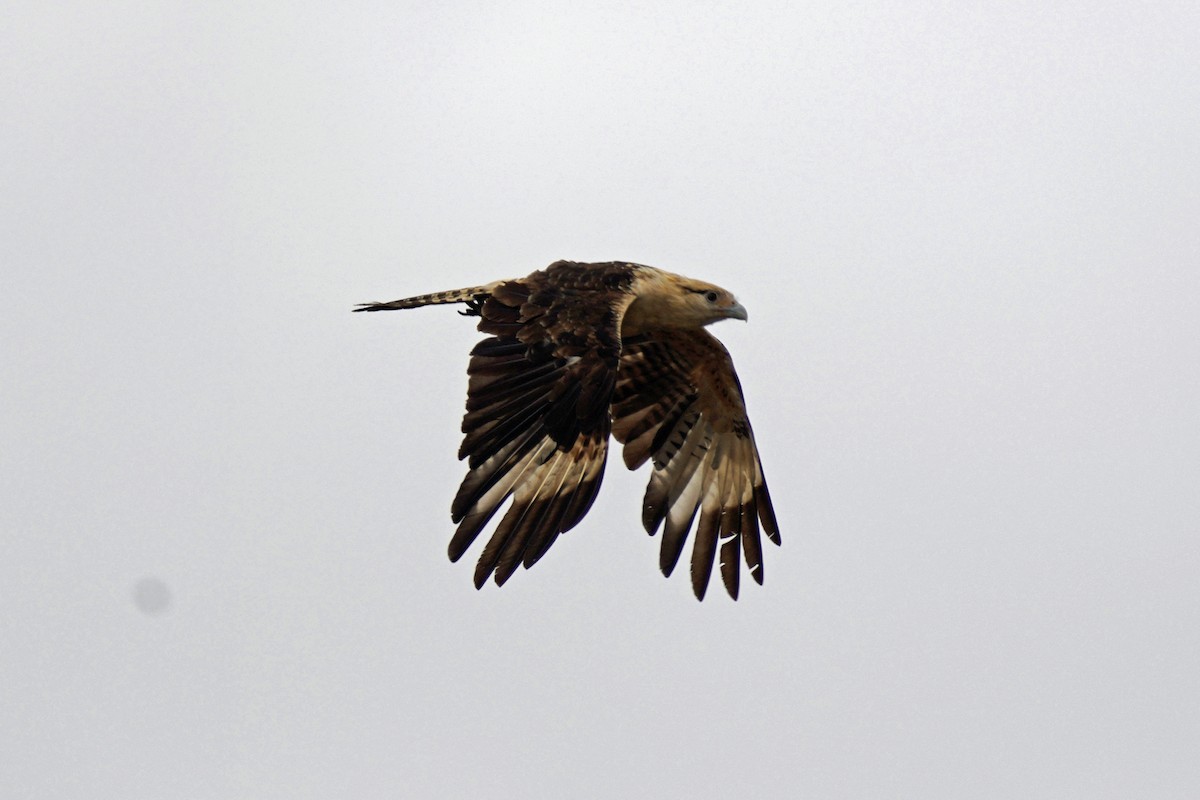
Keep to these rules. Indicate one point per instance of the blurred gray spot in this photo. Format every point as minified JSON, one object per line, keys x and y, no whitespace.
{"x":151,"y":596}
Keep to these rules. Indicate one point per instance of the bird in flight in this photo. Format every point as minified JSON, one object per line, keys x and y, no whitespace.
{"x":578,"y":351}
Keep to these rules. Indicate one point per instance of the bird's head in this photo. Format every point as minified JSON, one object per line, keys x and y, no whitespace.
{"x":666,"y":300}
{"x":698,"y":303}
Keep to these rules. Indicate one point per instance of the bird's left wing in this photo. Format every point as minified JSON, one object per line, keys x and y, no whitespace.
{"x":678,"y":401}
{"x":537,"y":420}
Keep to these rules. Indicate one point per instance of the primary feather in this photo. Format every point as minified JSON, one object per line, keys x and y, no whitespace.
{"x":577,"y":352}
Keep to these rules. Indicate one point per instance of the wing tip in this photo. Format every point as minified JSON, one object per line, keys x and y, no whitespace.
{"x":480,"y":577}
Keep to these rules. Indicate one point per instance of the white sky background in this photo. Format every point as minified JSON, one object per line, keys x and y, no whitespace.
{"x":968,"y":242}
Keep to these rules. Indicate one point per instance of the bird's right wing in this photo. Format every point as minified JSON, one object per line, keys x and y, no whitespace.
{"x":678,"y":402}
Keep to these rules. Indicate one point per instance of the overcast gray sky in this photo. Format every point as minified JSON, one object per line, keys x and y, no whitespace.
{"x":968,"y":242}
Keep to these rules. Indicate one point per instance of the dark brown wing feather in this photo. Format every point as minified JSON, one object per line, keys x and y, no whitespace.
{"x":537,"y":420}
{"x":678,"y":401}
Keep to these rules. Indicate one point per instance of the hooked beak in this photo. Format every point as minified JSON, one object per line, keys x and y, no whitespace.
{"x":737,"y":311}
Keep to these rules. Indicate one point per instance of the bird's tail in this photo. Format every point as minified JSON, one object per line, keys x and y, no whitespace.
{"x":472,"y":296}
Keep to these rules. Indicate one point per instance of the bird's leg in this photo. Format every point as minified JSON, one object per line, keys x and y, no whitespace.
{"x":474,"y":307}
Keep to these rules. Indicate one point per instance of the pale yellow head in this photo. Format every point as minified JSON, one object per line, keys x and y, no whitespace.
{"x":666,"y":300}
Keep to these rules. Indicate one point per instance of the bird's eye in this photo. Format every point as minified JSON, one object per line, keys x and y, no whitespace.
{"x":710,"y":297}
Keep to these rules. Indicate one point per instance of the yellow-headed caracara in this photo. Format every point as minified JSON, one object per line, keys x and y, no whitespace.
{"x":574,"y":352}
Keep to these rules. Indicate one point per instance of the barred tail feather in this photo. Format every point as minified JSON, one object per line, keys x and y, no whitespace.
{"x":471,"y":295}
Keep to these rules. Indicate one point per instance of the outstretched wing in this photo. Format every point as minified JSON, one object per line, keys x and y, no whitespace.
{"x":679,"y":402}
{"x":537,"y":420}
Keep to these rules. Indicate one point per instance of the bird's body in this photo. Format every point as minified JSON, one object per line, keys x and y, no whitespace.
{"x":576,"y":352}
